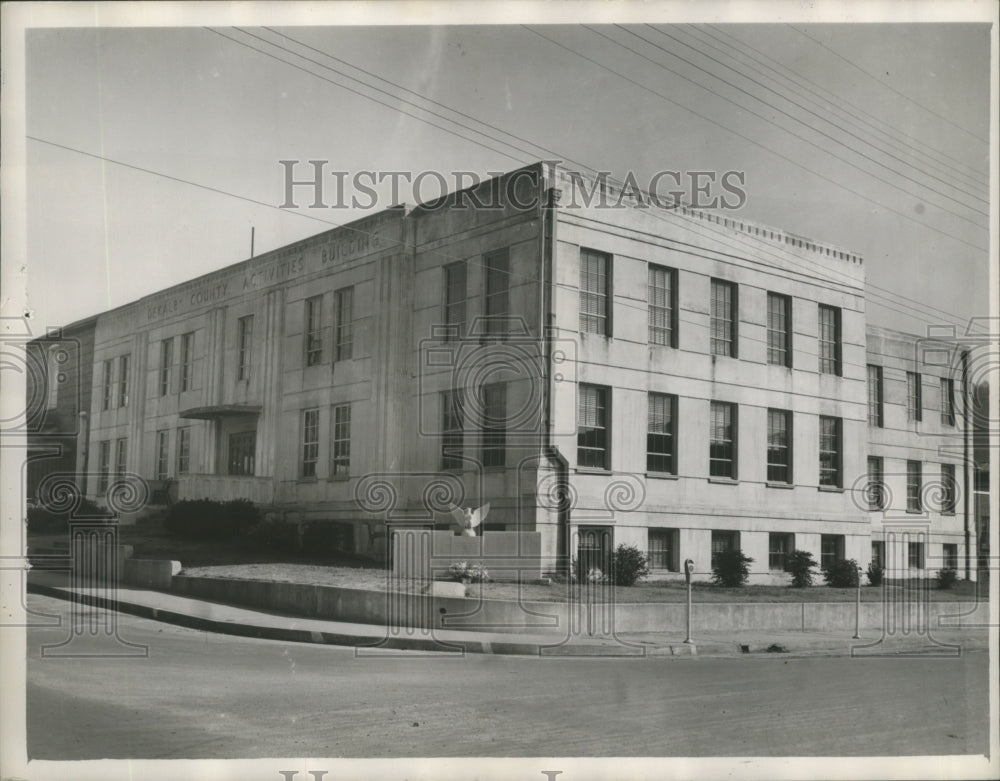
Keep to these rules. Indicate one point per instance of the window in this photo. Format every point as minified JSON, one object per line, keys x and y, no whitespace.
{"x":310,"y":442}
{"x":497,"y":292}
{"x":162,"y":454}
{"x":949,"y":553}
{"x":779,"y":545}
{"x":592,"y":427}
{"x":875,"y":489}
{"x":341,"y":440}
{"x":723,"y":542}
{"x":875,"y":396}
{"x":947,"y":401}
{"x":242,"y":449}
{"x":123,"y":363}
{"x":314,"y":330}
{"x":723,"y":318}
{"x":831,"y":549}
{"x":494,"y":425}
{"x":915,"y":555}
{"x":661,"y":549}
{"x":166,"y":362}
{"x":344,"y":336}
{"x":594,"y":268}
{"x":121,"y":456}
{"x":187,"y":360}
{"x":948,"y":489}
{"x":914,"y":397}
{"x":662,"y":292}
{"x":829,"y":452}
{"x":452,"y":434}
{"x":104,"y":465}
{"x":878,"y":554}
{"x":454,"y":299}
{"x":245,"y":342}
{"x":660,"y":433}
{"x":183,"y":450}
{"x":829,"y":340}
{"x":779,"y":446}
{"x":779,"y":330}
{"x":913,"y":487}
{"x":106,"y":385}
{"x":722,"y":445}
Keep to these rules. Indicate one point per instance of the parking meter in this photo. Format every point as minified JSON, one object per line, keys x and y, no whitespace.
{"x":688,"y":569}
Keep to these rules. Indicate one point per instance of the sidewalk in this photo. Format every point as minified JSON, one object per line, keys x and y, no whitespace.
{"x":228,"y":619}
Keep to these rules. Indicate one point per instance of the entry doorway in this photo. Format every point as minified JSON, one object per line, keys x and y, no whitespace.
{"x":593,"y":549}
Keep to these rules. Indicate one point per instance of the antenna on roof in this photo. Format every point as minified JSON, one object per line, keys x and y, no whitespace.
{"x":251,"y":240}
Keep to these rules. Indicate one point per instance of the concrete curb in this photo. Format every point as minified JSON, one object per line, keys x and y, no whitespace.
{"x":544,"y":647}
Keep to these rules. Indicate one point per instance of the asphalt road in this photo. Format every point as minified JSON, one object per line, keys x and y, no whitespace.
{"x":200,"y":695}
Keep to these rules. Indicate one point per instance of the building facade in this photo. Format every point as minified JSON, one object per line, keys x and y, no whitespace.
{"x":598,"y":371}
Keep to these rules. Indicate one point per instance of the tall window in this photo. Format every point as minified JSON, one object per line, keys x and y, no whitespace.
{"x":914,"y":397}
{"x":875,"y":396}
{"x":949,"y":553}
{"x":779,"y":545}
{"x":947,"y":401}
{"x":831,"y":549}
{"x":497,"y":292}
{"x":661,"y":549}
{"x":723,"y":318}
{"x":106,"y":378}
{"x":454,"y":299}
{"x":341,"y":440}
{"x":829,"y":340}
{"x":875,"y":491}
{"x":594,"y":268}
{"x":915,"y":555}
{"x":948,"y":488}
{"x":121,"y":456}
{"x":314,"y":330}
{"x":166,"y":363}
{"x":723,"y":542}
{"x":660,"y":439}
{"x":592,"y":427}
{"x":242,"y":450}
{"x":183,"y":450}
{"x":779,"y":330}
{"x":494,"y":425}
{"x":162,"y":455}
{"x":830,"y":452}
{"x":104,"y":465}
{"x":310,"y":442}
{"x":878,"y":553}
{"x":452,"y":435}
{"x":722,"y":444}
{"x":244,"y":347}
{"x":123,"y":363}
{"x":344,"y":336}
{"x":187,"y":361}
{"x":914,"y":487}
{"x":779,"y":446}
{"x":661,"y":291}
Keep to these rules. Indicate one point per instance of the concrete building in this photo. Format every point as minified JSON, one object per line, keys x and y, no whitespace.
{"x":599,"y":371}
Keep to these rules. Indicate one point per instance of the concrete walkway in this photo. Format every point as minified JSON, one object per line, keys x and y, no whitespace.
{"x":372,"y":638}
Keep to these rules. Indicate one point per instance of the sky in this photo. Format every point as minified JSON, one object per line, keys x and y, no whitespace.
{"x":872,"y":137}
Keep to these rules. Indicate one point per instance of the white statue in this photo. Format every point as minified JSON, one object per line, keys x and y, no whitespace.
{"x":468,"y":519}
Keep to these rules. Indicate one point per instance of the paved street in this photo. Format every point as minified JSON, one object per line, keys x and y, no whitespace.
{"x":202,"y":695}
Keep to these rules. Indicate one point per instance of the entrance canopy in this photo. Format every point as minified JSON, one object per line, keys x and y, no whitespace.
{"x":216,"y":411}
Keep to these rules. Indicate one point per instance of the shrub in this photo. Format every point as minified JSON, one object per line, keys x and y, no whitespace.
{"x":841,"y":574}
{"x":459,"y":571}
{"x":731,"y":568}
{"x":209,"y":519}
{"x":946,"y":578}
{"x":478,"y":573}
{"x":875,"y":573}
{"x":628,"y":566}
{"x":42,"y":520}
{"x":801,"y":564}
{"x":274,"y":535}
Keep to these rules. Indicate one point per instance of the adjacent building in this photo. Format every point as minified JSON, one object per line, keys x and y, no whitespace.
{"x":598,"y":371}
